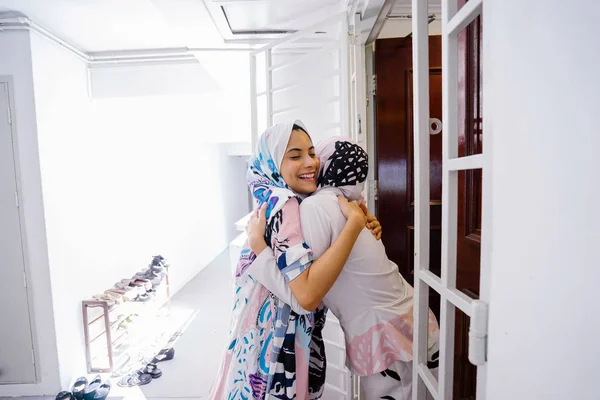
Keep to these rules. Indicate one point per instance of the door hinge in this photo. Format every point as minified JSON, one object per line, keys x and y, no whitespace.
{"x":359,"y":125}
{"x":372,"y":85}
{"x":24,"y":279}
{"x":32,"y":357}
{"x":478,"y":333}
{"x":8,"y":114}
{"x":374,"y":189}
{"x":17,"y":199}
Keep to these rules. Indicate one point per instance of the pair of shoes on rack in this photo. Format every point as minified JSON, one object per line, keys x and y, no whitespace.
{"x":110,"y":298}
{"x":155,"y":272}
{"x":151,"y":371}
{"x":141,"y":377}
{"x":84,"y":390}
{"x":137,"y":288}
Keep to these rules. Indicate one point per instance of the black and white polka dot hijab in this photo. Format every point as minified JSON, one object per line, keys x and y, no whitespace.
{"x":344,"y":165}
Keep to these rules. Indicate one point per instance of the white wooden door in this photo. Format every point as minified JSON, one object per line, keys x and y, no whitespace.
{"x":452,"y":300}
{"x":16,"y":344}
{"x":305,"y":76}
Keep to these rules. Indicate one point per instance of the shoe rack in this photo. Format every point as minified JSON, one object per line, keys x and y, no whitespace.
{"x":116,"y":334}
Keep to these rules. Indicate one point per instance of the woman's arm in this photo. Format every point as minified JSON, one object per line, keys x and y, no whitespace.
{"x":312,"y":285}
{"x":264,"y":270}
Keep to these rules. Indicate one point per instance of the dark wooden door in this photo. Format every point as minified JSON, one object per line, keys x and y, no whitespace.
{"x":394,"y":147}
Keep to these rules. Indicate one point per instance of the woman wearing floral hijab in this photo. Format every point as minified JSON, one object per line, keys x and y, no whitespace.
{"x":370,"y":298}
{"x":274,"y":352}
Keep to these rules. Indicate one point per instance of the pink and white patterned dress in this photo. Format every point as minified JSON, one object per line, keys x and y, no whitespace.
{"x":372,"y":301}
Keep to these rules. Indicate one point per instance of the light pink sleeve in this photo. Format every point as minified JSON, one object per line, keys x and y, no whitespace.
{"x":265,"y":271}
{"x":316,"y":227}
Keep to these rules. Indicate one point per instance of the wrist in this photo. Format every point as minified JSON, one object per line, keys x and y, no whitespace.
{"x":258,"y":248}
{"x":357,"y":221}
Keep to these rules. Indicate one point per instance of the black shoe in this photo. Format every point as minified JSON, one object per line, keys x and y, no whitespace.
{"x":90,"y":390}
{"x":164,"y":355}
{"x":78,"y":387}
{"x":152,"y":370}
{"x":102,"y":392}
{"x":65,"y":396}
{"x":136,"y":378}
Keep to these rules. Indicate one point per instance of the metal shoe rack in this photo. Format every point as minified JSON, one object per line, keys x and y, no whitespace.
{"x":111,"y":337}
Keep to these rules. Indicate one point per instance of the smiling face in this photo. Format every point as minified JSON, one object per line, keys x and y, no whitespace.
{"x":300,"y":165}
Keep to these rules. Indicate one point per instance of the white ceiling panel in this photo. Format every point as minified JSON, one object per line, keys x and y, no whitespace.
{"x":272,"y":16}
{"x":94,"y":26}
{"x":264,"y":20}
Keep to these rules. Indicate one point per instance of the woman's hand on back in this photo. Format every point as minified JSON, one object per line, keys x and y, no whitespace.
{"x":256,"y":230}
{"x":372,"y":222}
{"x":352,"y":212}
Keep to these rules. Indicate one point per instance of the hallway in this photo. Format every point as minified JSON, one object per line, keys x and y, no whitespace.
{"x":198,"y":351}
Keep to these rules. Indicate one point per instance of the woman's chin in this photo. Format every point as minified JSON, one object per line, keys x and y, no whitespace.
{"x":305,"y":188}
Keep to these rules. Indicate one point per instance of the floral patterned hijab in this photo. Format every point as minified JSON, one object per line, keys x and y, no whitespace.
{"x":273,"y":352}
{"x":268,"y":186}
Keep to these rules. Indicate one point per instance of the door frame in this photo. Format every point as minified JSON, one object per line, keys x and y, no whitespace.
{"x":9,"y":81}
{"x":453,"y":21}
{"x":371,"y":126}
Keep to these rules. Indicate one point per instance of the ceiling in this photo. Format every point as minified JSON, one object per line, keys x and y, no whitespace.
{"x":239,"y":19}
{"x":120,"y":25}
{"x":398,"y":25}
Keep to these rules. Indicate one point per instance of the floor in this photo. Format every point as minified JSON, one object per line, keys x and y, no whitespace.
{"x":198,"y":351}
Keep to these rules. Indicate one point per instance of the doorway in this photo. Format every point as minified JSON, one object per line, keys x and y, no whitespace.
{"x":395,"y":172}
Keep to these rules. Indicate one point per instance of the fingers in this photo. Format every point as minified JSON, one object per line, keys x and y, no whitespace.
{"x":263,"y":212}
{"x":364,"y":208}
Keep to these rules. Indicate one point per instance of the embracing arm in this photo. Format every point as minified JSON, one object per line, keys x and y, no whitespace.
{"x":264,"y":269}
{"x":310,"y":286}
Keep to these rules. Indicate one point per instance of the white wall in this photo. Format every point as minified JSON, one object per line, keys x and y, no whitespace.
{"x":60,"y":85}
{"x":124,"y":179}
{"x":15,"y":61}
{"x":164,"y":187}
{"x":541,"y":96}
{"x":210,"y":96}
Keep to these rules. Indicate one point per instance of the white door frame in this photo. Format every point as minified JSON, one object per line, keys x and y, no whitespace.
{"x":453,"y":21}
{"x":8,"y":80}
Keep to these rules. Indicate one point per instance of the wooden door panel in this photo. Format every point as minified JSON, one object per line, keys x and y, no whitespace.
{"x":392,"y":60}
{"x":394,"y":149}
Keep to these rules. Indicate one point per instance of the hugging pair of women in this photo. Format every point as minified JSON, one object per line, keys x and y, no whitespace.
{"x":311,"y":250}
